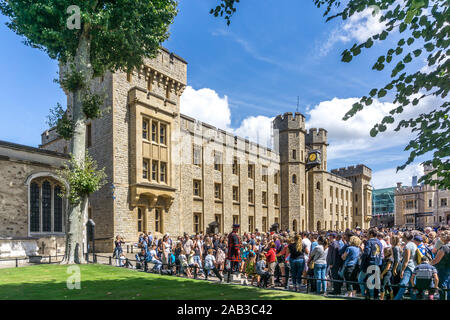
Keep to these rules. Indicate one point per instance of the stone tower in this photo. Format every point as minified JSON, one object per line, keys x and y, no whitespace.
{"x":360,"y":177}
{"x":316,"y":180}
{"x":289,"y":139}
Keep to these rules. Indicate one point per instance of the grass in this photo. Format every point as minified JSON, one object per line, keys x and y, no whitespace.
{"x":100,"y":282}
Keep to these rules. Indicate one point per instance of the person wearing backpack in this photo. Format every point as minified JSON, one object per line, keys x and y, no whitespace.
{"x":408,"y":264}
{"x":371,"y":256}
{"x":424,"y":278}
{"x":442,"y":264}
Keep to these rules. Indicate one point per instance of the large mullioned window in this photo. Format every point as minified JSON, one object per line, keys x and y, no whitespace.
{"x":46,"y":207}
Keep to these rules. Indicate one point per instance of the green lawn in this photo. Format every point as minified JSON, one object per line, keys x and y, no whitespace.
{"x":99,"y":282}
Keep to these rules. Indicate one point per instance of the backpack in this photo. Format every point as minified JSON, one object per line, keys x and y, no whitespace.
{"x":419,"y":256}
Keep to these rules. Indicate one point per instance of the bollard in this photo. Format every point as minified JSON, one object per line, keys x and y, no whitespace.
{"x":110,"y":262}
{"x":95,"y":258}
{"x":17,"y":263}
{"x":49,"y":259}
{"x":132,"y":248}
{"x":128,"y":248}
{"x":195,"y":272}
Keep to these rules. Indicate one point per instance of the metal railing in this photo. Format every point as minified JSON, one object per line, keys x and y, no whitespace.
{"x":227,"y":274}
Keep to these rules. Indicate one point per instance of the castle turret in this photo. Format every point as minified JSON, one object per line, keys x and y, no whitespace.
{"x":289,"y":139}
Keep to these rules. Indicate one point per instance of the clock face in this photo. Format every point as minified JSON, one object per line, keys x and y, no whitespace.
{"x":312,"y":157}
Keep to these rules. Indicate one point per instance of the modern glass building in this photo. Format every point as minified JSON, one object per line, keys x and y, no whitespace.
{"x":383,"y":204}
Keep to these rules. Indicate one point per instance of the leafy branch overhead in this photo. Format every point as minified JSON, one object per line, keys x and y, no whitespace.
{"x":425,"y":26}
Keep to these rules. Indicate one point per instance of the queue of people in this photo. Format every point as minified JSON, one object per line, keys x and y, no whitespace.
{"x":375,"y":263}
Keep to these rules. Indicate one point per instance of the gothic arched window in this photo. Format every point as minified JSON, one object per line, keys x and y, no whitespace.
{"x":46,"y":206}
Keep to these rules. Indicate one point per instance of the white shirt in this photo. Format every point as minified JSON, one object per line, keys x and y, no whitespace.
{"x":307,"y":243}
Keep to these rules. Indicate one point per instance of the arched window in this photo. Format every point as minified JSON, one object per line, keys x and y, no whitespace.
{"x":318,"y":186}
{"x":46,"y":207}
{"x":356,"y":197}
{"x":294,"y":179}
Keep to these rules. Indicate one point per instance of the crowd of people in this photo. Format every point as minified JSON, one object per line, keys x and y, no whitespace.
{"x":376,"y":263}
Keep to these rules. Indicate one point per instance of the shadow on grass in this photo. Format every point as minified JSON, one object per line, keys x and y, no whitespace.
{"x":119,"y":284}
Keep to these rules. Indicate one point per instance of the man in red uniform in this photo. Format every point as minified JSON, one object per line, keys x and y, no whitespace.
{"x":234,"y":246}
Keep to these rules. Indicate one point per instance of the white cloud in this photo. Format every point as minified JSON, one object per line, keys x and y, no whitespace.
{"x":207,"y":106}
{"x":389,"y":177}
{"x":257,"y":129}
{"x":352,"y":137}
{"x":359,"y":27}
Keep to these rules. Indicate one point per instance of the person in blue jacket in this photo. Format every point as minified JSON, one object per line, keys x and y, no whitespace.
{"x":370,"y":256}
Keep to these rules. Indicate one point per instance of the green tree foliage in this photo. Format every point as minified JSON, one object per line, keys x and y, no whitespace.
{"x":111,"y":35}
{"x":425,"y":26}
{"x":83,"y":179}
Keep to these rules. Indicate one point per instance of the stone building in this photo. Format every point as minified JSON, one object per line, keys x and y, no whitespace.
{"x":169,"y":173}
{"x":421,"y":206}
{"x":32,"y":215}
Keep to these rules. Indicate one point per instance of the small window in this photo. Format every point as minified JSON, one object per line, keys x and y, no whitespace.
{"x":264,"y":173}
{"x":218,"y":191}
{"x":318,"y":186}
{"x":145,"y":129}
{"x":197,"y":157}
{"x":162,"y":134}
{"x":218,"y":219}
{"x":251,"y":198}
{"x":217,"y":161}
{"x":356,"y":197}
{"x":235,"y":219}
{"x":443,"y":202}
{"x":275,"y":199}
{"x":140,"y":220}
{"x":197,"y":222}
{"x":158,"y":220}
{"x":264,"y":198}
{"x":145,"y":169}
{"x":251,"y":223}
{"x":197,"y":188}
{"x":430,"y":203}
{"x":155,"y":170}
{"x":235,"y":193}
{"x":264,"y":224}
{"x":294,"y":154}
{"x":154,"y":131}
{"x":324,"y":203}
{"x":303,"y":199}
{"x":331,"y":191}
{"x":235,"y":166}
{"x":294,"y":179}
{"x":163,"y":172}
{"x":251,"y":171}
{"x":276,"y":177}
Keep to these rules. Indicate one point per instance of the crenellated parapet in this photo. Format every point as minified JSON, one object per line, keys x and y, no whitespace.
{"x":289,"y":121}
{"x":316,"y":136}
{"x":360,"y":169}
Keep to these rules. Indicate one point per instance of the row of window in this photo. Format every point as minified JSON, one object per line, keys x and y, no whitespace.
{"x":158,"y":133}
{"x":443,"y":202}
{"x":218,"y":165}
{"x":342,"y":194}
{"x":197,"y":191}
{"x":158,"y":172}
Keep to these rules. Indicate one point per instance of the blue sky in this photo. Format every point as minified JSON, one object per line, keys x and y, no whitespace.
{"x":249,"y":72}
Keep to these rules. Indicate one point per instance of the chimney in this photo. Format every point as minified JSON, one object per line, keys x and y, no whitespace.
{"x":399,"y":185}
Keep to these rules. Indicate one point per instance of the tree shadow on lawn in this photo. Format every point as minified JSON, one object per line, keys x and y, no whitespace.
{"x":153,"y":287}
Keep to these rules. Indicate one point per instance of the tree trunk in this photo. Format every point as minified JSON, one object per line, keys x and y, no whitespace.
{"x":75,"y":222}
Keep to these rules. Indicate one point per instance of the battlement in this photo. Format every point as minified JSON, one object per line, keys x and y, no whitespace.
{"x":360,"y":169}
{"x":289,"y":121}
{"x":315,"y":136}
